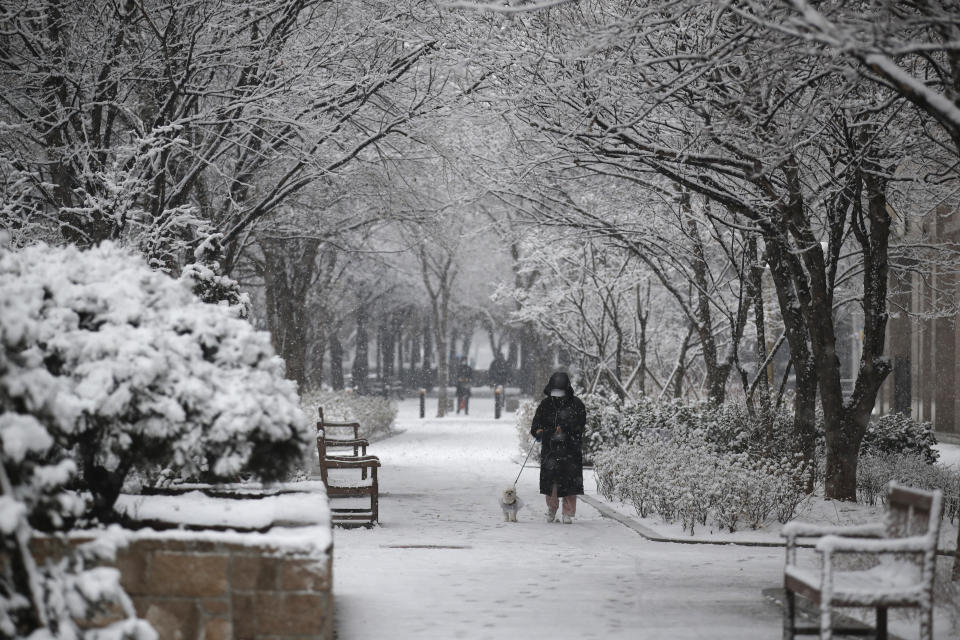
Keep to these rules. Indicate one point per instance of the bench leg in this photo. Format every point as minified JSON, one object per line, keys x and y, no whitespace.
{"x":881,"y":623}
{"x":374,"y":497}
{"x":826,"y":621}
{"x":789,"y":614}
{"x":926,"y":623}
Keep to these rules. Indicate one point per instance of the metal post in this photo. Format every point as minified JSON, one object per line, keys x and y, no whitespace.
{"x":497,"y":401}
{"x":423,"y":403}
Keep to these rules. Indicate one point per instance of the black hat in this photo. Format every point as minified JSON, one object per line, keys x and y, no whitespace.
{"x":559,"y":380}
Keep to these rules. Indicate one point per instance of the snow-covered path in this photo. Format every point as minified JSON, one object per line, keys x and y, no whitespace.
{"x":593,"y":579}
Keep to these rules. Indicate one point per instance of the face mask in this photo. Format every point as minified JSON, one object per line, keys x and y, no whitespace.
{"x":558,"y":393}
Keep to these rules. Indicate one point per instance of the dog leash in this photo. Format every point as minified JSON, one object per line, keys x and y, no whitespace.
{"x":524,"y":462}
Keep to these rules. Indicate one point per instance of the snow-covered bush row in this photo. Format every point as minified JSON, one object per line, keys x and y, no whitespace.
{"x":153,"y":380}
{"x":876,"y":470}
{"x":375,"y":414}
{"x":731,"y":427}
{"x":44,"y":601}
{"x":682,"y":476}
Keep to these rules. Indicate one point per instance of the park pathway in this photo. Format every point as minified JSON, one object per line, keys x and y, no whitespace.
{"x":444,"y":565}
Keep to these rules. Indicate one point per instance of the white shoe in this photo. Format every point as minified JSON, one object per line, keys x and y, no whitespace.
{"x":551,"y":516}
{"x":567,"y":519}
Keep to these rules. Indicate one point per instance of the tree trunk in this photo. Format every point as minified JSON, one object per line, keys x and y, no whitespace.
{"x":414,"y":358}
{"x":443,"y":369}
{"x":288,"y":272}
{"x":513,"y":355}
{"x":804,"y":422}
{"x":843,"y":449}
{"x":427,"y":370}
{"x":755,"y":291}
{"x":361,"y":361}
{"x":388,"y":344}
{"x":336,"y":360}
{"x":716,"y":375}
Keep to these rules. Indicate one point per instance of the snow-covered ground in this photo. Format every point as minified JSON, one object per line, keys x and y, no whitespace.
{"x":444,"y":564}
{"x":593,"y":579}
{"x":949,"y":454}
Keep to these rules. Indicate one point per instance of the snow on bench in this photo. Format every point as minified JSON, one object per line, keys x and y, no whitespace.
{"x":899,"y":556}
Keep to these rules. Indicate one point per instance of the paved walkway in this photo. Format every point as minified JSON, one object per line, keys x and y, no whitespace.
{"x":444,"y":564}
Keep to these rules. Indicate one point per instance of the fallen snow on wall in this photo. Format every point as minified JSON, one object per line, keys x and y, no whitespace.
{"x":299,"y":519}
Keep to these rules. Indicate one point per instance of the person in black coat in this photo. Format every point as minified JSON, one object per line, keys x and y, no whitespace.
{"x":498,"y":371}
{"x":558,"y":424}
{"x":464,"y":380}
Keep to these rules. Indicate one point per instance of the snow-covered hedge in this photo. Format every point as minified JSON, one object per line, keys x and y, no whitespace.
{"x":876,"y":470}
{"x":44,"y":601}
{"x":730,"y":427}
{"x":682,"y":476}
{"x":156,"y":381}
{"x":376,"y":415}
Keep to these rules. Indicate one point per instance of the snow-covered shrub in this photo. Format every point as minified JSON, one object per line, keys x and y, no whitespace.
{"x":157,"y":380}
{"x":876,"y":470}
{"x":899,"y":433}
{"x":45,"y":601}
{"x":608,"y":424}
{"x":524,"y":421}
{"x":681,"y":475}
{"x":376,"y":415}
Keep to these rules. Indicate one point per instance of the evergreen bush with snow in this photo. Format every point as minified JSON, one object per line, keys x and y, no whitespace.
{"x":45,"y":601}
{"x":158,"y":383}
{"x":899,"y":433}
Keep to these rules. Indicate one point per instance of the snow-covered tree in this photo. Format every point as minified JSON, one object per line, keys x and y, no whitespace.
{"x":792,"y":149}
{"x":159,"y":382}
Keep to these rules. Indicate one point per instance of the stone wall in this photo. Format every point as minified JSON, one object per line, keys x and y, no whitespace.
{"x":205,"y":590}
{"x":212,"y":587}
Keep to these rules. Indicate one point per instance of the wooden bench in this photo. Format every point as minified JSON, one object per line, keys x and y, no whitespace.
{"x":901,"y":554}
{"x":359,"y":459}
{"x":358,"y":444}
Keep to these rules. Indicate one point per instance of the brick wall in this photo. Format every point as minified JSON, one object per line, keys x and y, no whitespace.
{"x":212,"y":589}
{"x":198,"y":589}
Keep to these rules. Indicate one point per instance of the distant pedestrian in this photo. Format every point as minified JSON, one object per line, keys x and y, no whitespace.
{"x":558,"y":424}
{"x":464,"y":380}
{"x":498,"y":371}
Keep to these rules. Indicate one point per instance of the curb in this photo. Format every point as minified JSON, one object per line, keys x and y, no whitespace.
{"x":608,"y":512}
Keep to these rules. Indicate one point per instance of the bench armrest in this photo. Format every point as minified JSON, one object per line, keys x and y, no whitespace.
{"x":349,"y":462}
{"x":914,"y":544}
{"x":352,"y":442}
{"x":795,"y":529}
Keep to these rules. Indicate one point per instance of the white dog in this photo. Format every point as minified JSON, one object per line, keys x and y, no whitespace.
{"x":510,"y":504}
